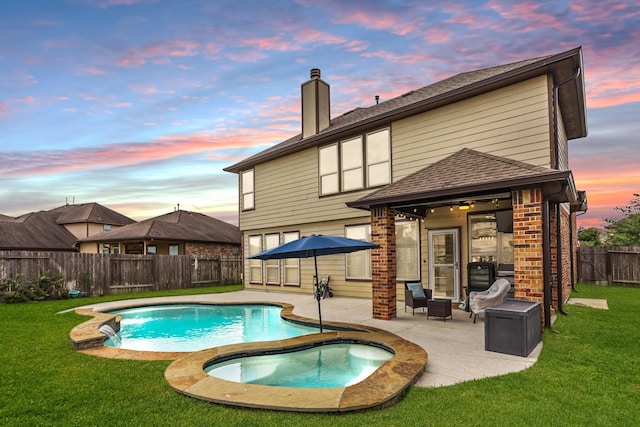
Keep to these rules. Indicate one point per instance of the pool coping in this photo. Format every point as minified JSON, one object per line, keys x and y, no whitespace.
{"x":186,"y":374}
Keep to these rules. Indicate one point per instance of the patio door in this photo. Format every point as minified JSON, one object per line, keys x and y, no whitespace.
{"x":444,"y":264}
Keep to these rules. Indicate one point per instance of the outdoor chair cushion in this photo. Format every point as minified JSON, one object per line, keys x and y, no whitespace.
{"x":416,"y":289}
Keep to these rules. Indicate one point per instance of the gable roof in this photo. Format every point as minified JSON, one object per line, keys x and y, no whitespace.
{"x":177,"y":225}
{"x":35,"y":231}
{"x":92,"y":213}
{"x":565,"y":67}
{"x":463,"y":173}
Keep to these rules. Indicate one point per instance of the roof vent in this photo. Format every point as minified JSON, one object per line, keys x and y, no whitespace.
{"x":315,"y":73}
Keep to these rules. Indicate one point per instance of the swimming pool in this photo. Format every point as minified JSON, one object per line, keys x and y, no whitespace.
{"x":193,"y":327}
{"x":325,"y":366}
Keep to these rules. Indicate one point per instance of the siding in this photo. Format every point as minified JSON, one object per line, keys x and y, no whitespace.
{"x":286,"y":192}
{"x":331,"y":265}
{"x":512,"y":122}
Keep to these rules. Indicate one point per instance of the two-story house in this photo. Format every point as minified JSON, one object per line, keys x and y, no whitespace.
{"x":474,"y":168}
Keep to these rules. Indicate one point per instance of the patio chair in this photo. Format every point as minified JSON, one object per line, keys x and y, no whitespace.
{"x":415,"y":296}
{"x":495,"y":295}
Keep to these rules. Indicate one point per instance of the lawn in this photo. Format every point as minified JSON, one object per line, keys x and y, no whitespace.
{"x":588,"y":374}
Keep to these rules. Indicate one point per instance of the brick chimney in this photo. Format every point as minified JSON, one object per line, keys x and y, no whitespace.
{"x":315,"y":105}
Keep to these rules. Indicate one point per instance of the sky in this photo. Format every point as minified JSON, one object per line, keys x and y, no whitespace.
{"x":139,"y":104}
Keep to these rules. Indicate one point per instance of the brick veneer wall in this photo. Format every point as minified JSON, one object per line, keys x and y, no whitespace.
{"x":212,"y":250}
{"x":527,"y":246}
{"x":383,"y":263}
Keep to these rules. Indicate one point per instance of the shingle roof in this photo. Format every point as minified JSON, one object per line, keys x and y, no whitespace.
{"x":35,"y":231}
{"x":431,"y":96}
{"x":464,"y":172}
{"x":91,"y":213}
{"x":178,"y":225}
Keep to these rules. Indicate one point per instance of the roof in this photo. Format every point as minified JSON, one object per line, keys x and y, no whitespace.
{"x":35,"y":231}
{"x":178,"y":225}
{"x":465,"y":172}
{"x":566,"y":68}
{"x":92,"y":213}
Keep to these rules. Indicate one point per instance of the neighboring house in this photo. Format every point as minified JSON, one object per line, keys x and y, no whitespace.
{"x":474,"y":168}
{"x":59,"y":228}
{"x":176,"y":233}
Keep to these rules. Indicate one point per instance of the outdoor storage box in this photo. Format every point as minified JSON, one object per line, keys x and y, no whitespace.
{"x":512,"y":327}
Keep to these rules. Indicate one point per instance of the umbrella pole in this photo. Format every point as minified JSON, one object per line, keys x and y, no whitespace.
{"x":317,"y":290}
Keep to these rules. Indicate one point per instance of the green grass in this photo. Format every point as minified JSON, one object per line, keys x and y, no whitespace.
{"x":588,"y":374}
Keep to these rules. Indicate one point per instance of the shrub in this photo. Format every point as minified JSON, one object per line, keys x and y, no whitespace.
{"x":45,"y":286}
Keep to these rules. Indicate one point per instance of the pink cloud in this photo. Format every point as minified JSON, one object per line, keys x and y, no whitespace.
{"x":269,"y":43}
{"x":158,"y":51}
{"x":37,"y":163}
{"x":95,"y":70}
{"x":4,"y":107}
{"x":377,"y":20}
{"x":104,"y":4}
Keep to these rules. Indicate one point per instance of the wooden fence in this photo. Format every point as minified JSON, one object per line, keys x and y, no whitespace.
{"x":102,"y":274}
{"x":609,"y":265}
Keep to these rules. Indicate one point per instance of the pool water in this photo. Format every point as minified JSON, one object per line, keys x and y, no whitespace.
{"x":193,"y":327}
{"x":324,"y":366}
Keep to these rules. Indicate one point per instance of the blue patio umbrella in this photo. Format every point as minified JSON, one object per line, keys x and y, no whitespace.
{"x":314,"y":246}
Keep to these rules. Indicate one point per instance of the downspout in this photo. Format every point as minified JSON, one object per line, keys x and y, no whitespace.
{"x":573,"y":276}
{"x":546,"y":228}
{"x":546,"y":250}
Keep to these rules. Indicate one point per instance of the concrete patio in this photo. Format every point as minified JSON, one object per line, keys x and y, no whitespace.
{"x":455,"y":347}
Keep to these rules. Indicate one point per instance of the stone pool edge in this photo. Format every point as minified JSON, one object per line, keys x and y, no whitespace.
{"x":186,"y":374}
{"x":382,"y":388}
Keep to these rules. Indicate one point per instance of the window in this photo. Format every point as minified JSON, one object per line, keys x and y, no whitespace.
{"x":342,"y":165}
{"x":272,"y":265}
{"x":291,"y":265}
{"x":152,"y":250}
{"x":408,"y":250}
{"x":106,"y":227}
{"x":487,"y":244}
{"x":378,"y":158}
{"x":255,"y":265}
{"x":174,"y":249}
{"x":358,"y":264}
{"x":248,"y":199}
{"x":352,"y":175}
{"x":329,"y":169}
{"x":116,"y":250}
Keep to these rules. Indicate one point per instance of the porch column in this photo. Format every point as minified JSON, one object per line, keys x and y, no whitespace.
{"x":383,"y":263}
{"x":528,"y":256}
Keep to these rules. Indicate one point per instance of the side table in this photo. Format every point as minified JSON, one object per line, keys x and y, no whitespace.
{"x":439,"y":308}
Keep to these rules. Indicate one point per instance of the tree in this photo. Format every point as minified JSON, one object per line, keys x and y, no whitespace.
{"x":625,"y":231}
{"x":589,"y":237}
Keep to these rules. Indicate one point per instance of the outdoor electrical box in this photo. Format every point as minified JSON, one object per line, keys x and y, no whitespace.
{"x":513,"y":327}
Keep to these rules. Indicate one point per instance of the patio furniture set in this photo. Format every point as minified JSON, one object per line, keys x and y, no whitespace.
{"x":415,"y":296}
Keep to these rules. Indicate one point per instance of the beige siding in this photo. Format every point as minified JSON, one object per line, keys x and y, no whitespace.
{"x":511,"y":122}
{"x":331,"y":265}
{"x":563,"y":145}
{"x":286,"y":192}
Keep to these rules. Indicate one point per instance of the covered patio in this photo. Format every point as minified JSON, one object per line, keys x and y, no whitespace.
{"x":540,"y":203}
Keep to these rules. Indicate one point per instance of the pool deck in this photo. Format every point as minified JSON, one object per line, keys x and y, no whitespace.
{"x":455,"y":347}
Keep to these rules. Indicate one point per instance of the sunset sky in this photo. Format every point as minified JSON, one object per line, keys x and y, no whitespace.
{"x":139,"y":104}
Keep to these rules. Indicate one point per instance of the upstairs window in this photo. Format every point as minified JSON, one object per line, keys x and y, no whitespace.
{"x":378,"y":158}
{"x":352,"y":173}
{"x":106,"y":227}
{"x":355,"y":163}
{"x":329,"y":169}
{"x":247,"y":190}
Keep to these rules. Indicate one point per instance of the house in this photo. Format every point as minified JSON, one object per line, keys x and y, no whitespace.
{"x":59,"y":228}
{"x":176,"y":233}
{"x":471,"y":169}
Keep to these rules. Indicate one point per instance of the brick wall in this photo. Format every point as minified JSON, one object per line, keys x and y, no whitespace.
{"x":212,"y":250}
{"x":527,"y":246}
{"x":383,"y":263}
